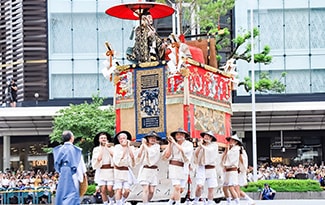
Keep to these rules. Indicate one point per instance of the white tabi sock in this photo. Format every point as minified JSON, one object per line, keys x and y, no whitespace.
{"x":178,"y":202}
{"x":210,"y":202}
{"x":237,"y":201}
{"x":123,"y":199}
{"x":111,"y":200}
{"x":247,"y":197}
{"x":119,"y":202}
{"x":170,"y":202}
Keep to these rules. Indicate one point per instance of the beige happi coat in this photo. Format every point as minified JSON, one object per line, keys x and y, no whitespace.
{"x":127,"y":161}
{"x":208,"y":155}
{"x":150,"y":156}
{"x":231,"y":157}
{"x":177,"y":172}
{"x":102,"y":174}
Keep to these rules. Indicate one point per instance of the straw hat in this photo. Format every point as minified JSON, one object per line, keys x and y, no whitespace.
{"x":96,"y":139}
{"x":180,"y":130}
{"x":128,"y":134}
{"x":210,"y":133}
{"x":235,"y":137}
{"x":152,"y":134}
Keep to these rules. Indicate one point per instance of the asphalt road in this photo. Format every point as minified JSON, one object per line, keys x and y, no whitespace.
{"x":263,"y":202}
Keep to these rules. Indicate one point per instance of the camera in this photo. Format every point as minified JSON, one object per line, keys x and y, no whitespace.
{"x":9,"y":79}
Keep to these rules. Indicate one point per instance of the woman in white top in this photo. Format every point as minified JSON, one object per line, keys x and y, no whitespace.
{"x":230,"y":161}
{"x":206,"y":159}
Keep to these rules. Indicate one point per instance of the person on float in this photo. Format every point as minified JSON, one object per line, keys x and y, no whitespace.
{"x":148,"y":46}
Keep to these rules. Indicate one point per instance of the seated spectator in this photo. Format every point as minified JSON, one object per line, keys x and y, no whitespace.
{"x":97,"y":196}
{"x":5,"y":182}
{"x":268,"y":193}
{"x":20,"y":185}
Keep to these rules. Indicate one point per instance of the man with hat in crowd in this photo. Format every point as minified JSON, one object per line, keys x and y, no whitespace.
{"x":206,"y":159}
{"x":123,"y":159}
{"x":179,"y":152}
{"x":102,"y":162}
{"x":230,"y":162}
{"x":148,"y":155}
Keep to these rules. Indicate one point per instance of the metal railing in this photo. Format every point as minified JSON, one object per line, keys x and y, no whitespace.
{"x":28,"y":195}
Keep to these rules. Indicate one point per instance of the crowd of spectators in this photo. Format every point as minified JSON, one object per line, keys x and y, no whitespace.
{"x":28,"y":179}
{"x":27,"y":187}
{"x":36,"y":179}
{"x":269,"y":172}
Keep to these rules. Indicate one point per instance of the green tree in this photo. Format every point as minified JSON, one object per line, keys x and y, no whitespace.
{"x":85,"y":121}
{"x":265,"y":84}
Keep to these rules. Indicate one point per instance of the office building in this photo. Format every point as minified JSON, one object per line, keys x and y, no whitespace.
{"x":55,"y":48}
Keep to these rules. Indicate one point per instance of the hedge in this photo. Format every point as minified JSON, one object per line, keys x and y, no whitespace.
{"x":285,"y":185}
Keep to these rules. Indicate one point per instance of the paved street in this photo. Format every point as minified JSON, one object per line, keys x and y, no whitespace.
{"x":259,"y":202}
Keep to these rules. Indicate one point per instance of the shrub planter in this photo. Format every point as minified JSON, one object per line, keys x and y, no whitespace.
{"x":292,"y":195}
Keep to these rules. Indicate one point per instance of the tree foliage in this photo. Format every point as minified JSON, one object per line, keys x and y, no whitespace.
{"x":85,"y":121}
{"x":208,"y":17}
{"x":265,"y":84}
{"x":244,"y":39}
{"x":210,"y":12}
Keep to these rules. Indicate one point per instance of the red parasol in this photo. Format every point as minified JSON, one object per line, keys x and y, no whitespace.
{"x":133,"y":11}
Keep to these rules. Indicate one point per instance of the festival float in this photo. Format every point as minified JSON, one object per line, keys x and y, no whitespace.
{"x":183,"y":88}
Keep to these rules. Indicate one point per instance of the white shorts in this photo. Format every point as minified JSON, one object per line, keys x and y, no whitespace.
{"x":242,"y":179}
{"x":231,"y":178}
{"x":201,"y":178}
{"x":144,"y":182}
{"x":105,"y":182}
{"x":152,"y":181}
{"x":211,"y":182}
{"x":121,"y":185}
{"x":148,"y":177}
{"x":181,"y":182}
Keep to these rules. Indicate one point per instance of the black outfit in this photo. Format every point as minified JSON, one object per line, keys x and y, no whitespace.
{"x":143,"y":50}
{"x":12,"y":92}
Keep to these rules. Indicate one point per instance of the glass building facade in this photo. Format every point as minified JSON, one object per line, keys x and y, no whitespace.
{"x":78,"y":30}
{"x":294,"y":30}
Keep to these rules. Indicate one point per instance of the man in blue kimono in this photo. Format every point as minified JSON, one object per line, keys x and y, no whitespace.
{"x":68,"y":162}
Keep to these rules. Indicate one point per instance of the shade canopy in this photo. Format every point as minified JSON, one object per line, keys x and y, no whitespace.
{"x":133,"y":11}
